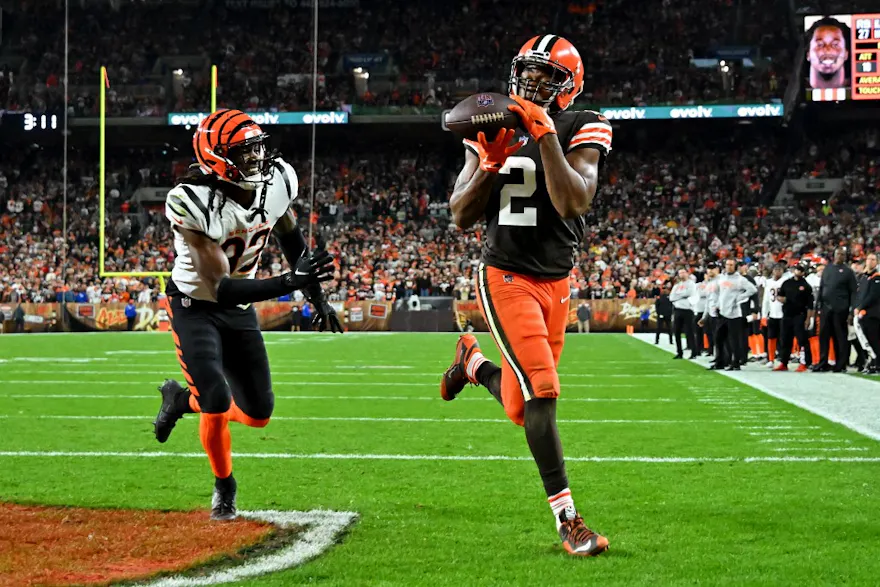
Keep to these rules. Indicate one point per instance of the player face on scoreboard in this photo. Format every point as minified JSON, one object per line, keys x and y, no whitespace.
{"x":828,"y":55}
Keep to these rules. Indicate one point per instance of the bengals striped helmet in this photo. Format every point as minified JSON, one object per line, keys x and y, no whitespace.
{"x":560,"y":60}
{"x":231,"y":146}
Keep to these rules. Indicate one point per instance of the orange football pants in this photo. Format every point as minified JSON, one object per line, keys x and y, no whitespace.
{"x":527,"y":317}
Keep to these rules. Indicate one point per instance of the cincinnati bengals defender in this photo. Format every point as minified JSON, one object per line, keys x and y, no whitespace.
{"x":534,"y":194}
{"x":222,"y":214}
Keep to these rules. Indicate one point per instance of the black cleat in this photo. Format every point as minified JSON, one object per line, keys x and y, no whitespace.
{"x":168,"y":413}
{"x":455,"y":378}
{"x":677,"y":357}
{"x":223,"y":505}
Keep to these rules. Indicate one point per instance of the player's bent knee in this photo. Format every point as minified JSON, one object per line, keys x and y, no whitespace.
{"x":215,"y":402}
{"x":262,"y":409}
{"x":516,"y":413}
{"x":545,"y":384}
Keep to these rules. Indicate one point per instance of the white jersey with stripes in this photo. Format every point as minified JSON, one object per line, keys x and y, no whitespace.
{"x":241,"y":233}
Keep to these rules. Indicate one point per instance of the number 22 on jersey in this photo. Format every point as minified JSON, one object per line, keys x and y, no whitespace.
{"x":254,"y":250}
{"x":515,"y":167}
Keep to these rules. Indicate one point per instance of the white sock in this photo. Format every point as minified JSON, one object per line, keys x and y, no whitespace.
{"x":476,"y":361}
{"x":560,"y":502}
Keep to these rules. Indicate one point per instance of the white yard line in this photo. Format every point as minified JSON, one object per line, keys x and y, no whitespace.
{"x":821,"y":449}
{"x":411,"y":457}
{"x":369,"y":419}
{"x":849,"y":401}
{"x":437,"y":398}
{"x":322,"y":529}
{"x":154,"y":381}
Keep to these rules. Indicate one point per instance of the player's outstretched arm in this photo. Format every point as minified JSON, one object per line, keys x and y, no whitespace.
{"x":293,"y":245}
{"x":211,"y":264}
{"x":471,"y":192}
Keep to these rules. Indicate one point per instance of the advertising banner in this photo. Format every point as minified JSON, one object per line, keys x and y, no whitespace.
{"x":265,"y":118}
{"x":28,"y":317}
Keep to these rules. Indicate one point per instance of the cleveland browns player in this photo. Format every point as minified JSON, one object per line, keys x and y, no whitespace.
{"x":534,"y":194}
{"x":222,"y":214}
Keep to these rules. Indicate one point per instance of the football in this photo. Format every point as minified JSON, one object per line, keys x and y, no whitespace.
{"x":486,"y":112}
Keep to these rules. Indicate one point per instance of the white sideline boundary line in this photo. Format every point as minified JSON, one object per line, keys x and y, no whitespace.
{"x":858,"y":412}
{"x":463,"y":458}
{"x":322,"y":530}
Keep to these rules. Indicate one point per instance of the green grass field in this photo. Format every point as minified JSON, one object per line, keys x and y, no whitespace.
{"x":694,"y":478}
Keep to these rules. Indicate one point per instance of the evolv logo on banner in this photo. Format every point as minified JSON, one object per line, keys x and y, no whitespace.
{"x":625,"y":113}
{"x":266,"y":118}
{"x":759,"y":110}
{"x":694,"y":112}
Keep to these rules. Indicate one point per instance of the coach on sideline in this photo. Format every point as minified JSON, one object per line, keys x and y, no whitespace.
{"x":733,"y":291}
{"x":796,"y":296}
{"x":835,"y":300}
{"x":867,"y":314}
{"x":683,"y":315}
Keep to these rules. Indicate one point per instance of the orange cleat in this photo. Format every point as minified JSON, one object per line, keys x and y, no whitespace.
{"x":801,"y":368}
{"x":455,"y":377}
{"x":781,"y":367}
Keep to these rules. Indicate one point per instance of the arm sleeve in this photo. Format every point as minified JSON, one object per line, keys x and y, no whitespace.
{"x":293,"y":245}
{"x":232,"y":292}
{"x":765,"y":306}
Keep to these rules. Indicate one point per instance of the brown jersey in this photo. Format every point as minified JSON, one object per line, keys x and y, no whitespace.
{"x":525,"y":233}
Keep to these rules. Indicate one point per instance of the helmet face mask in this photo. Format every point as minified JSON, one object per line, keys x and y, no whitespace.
{"x":250,"y":163}
{"x":557,"y":79}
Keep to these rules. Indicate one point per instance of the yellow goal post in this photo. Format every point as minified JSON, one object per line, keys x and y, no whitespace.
{"x":104,"y":84}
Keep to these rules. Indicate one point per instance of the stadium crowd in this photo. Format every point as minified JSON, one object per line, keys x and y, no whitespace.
{"x":426,"y":62}
{"x":385,"y":216}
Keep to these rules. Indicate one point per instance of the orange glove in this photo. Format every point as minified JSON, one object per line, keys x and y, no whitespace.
{"x":535,"y":119}
{"x":763,"y":323}
{"x":493,"y":155}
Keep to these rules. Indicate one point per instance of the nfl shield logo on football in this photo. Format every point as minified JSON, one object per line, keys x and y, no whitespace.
{"x":484,"y":100}
{"x":186,"y":302}
{"x":508,"y":279}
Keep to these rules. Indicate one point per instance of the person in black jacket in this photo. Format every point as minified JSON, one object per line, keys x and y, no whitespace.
{"x":796,"y":296}
{"x":835,"y":302}
{"x":867,"y":314}
{"x":663,"y":308}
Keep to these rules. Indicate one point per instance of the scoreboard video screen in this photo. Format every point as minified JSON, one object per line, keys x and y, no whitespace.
{"x":842,"y":57}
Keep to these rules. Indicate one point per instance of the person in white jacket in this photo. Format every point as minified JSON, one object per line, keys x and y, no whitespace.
{"x":683,"y":314}
{"x":771,"y":309}
{"x":733,"y":290}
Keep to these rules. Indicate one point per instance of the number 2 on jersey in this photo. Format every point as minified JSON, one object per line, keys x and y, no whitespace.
{"x":258,"y":241}
{"x":526,"y":189}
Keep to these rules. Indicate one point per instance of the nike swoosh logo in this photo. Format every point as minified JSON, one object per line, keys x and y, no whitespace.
{"x":300,"y":273}
{"x":565,"y":299}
